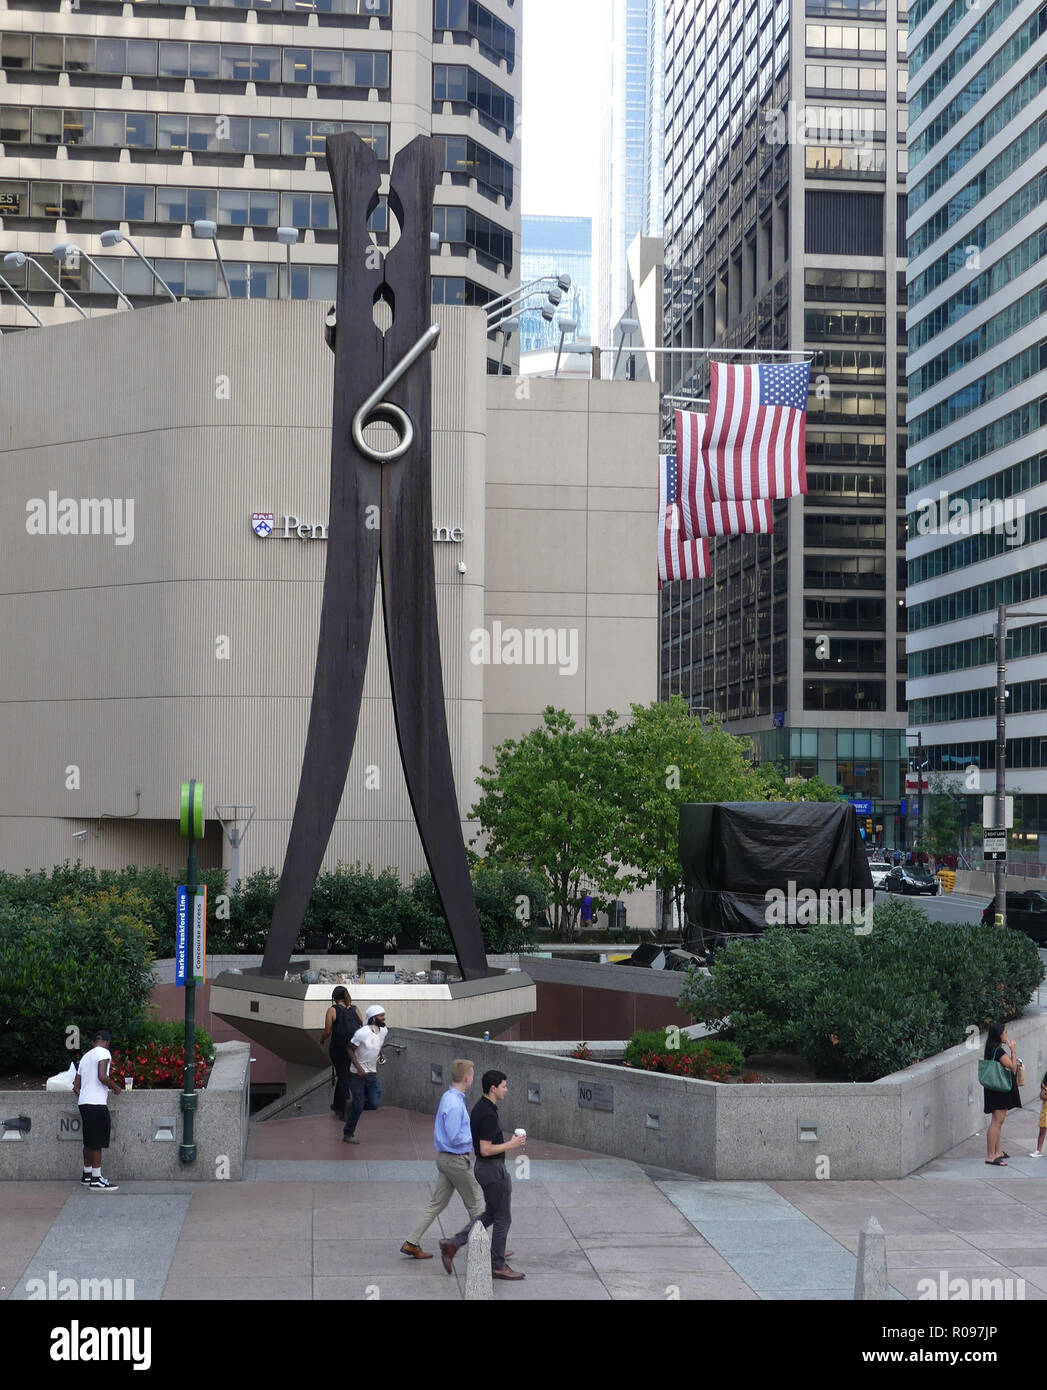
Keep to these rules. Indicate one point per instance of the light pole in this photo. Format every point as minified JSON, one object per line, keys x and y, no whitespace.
{"x":506,"y":328}
{"x":565,"y":325}
{"x":65,"y":250}
{"x":11,"y":290}
{"x":235,"y":837}
{"x":288,"y":237}
{"x":112,"y":237}
{"x":16,"y":259}
{"x":1000,"y":817}
{"x":208,"y":231}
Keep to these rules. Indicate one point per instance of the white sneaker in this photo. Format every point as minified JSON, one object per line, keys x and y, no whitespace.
{"x":1036,"y":1153}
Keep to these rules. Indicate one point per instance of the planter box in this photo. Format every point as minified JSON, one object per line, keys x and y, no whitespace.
{"x":147,"y":1130}
{"x":768,"y":1133}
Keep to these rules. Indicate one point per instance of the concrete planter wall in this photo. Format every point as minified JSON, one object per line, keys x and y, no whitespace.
{"x":147,"y":1130}
{"x":874,"y":1130}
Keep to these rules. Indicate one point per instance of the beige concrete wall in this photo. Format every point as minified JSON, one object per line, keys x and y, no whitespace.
{"x":572,"y":520}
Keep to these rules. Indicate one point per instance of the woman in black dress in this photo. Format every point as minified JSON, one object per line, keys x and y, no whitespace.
{"x":1000,"y":1048}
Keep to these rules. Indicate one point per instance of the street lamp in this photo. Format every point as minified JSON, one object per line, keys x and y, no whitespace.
{"x":208,"y":231}
{"x":65,"y":249}
{"x":112,"y":237}
{"x":287,"y":237}
{"x":565,"y":325}
{"x":506,"y":328}
{"x":626,"y":327}
{"x":1000,"y":817}
{"x":11,"y":290}
{"x":16,"y":259}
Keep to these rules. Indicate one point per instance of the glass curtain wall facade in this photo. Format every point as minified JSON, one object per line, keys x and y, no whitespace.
{"x":556,"y":246}
{"x":977,"y":324}
{"x":147,"y":123}
{"x":784,"y":228}
{"x":632,"y":174}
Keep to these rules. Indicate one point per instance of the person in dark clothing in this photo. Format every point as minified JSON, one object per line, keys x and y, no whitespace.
{"x":492,"y":1175}
{"x":341,"y":1023}
{"x":999,"y":1047}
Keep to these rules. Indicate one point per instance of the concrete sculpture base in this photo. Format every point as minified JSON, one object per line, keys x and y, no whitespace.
{"x":288,"y":1017}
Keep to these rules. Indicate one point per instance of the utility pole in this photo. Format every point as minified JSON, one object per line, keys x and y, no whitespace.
{"x":1000,"y":865}
{"x":919,"y":789}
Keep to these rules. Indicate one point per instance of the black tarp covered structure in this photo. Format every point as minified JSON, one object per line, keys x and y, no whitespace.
{"x":734,"y":853}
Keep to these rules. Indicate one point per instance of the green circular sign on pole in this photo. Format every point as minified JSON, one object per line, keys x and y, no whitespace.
{"x":191,"y":818}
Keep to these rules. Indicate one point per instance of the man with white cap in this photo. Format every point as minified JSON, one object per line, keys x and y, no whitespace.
{"x":365,"y":1054}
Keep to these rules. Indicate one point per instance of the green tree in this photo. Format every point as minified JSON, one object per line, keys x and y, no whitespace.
{"x":941,"y":833}
{"x":544,"y":808}
{"x":770,"y":783}
{"x":668,"y":756}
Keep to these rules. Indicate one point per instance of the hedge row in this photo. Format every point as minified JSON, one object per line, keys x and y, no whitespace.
{"x":861,"y":1007}
{"x":349,"y":905}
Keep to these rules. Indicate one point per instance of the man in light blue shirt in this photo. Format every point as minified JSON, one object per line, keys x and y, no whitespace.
{"x":453,"y":1140}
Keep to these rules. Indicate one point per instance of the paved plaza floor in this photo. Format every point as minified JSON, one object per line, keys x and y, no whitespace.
{"x":319,"y":1219}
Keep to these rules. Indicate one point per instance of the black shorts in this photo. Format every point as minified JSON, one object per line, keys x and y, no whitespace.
{"x":95,"y":1126}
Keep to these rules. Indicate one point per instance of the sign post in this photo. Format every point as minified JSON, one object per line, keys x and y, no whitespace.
{"x":190,"y":916}
{"x":994,"y":846}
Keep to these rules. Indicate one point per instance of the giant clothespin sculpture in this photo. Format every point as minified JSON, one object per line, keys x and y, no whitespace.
{"x":380,"y":377}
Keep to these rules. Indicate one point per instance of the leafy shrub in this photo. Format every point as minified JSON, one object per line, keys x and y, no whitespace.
{"x":83,"y":961}
{"x":497,"y":893}
{"x":693,"y":1057}
{"x":861,"y":1007}
{"x":161,"y":1032}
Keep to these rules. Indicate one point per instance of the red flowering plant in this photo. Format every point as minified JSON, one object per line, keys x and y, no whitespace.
{"x":158,"y":1066}
{"x":582,"y":1051}
{"x":673,"y":1052}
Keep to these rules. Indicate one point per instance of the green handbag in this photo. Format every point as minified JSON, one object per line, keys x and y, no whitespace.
{"x":994,"y":1075}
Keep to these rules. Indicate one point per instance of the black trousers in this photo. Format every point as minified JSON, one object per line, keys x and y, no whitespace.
{"x":341,"y":1085}
{"x":497,"y":1186}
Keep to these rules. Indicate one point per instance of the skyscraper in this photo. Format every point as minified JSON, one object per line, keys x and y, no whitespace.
{"x":631,"y":151}
{"x":977,"y":323}
{"x":784,"y":229}
{"x":219,"y":113}
{"x":556,"y":246}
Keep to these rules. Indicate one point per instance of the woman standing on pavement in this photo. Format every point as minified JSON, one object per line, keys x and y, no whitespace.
{"x":999,"y":1047}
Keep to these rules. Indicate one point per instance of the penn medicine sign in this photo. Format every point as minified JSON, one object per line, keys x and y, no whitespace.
{"x":290,"y":528}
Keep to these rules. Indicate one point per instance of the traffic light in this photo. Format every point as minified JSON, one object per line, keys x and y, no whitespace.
{"x":869,"y":824}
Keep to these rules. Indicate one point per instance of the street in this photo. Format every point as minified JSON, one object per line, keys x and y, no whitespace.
{"x":949,"y":907}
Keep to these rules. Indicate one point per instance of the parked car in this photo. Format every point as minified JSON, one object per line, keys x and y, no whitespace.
{"x":1026,"y":912}
{"x":909,"y":879}
{"x":880,"y":873}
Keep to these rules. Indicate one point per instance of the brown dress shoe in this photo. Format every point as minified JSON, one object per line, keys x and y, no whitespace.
{"x":414,"y":1250}
{"x":447,"y":1254}
{"x":506,"y":1273}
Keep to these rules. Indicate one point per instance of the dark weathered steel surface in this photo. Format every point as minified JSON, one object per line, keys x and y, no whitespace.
{"x":403,"y":544}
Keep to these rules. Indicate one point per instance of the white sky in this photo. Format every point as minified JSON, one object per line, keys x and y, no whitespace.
{"x":564,"y":52}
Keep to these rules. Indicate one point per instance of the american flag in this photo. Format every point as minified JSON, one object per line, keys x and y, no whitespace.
{"x":702,"y":515}
{"x":678,"y":558}
{"x":755,"y":431}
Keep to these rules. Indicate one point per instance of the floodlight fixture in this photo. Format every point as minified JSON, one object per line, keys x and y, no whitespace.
{"x":112,"y":237}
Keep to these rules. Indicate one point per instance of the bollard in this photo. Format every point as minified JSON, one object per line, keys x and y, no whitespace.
{"x":870,"y":1281}
{"x":478,"y":1281}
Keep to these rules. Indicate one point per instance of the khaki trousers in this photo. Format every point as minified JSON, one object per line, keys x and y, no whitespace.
{"x":456,"y":1175}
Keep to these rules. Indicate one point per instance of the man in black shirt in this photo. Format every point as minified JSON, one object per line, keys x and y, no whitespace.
{"x":341,"y":1023}
{"x":492,"y":1175}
